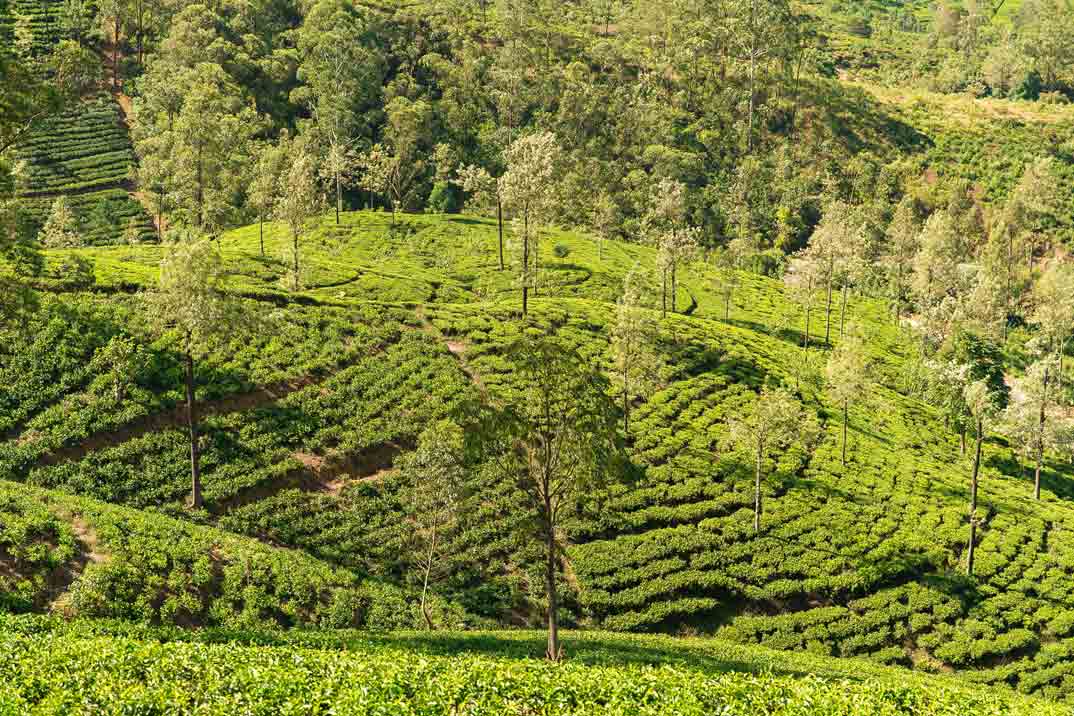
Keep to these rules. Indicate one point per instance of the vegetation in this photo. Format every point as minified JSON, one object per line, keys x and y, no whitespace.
{"x":554,"y":358}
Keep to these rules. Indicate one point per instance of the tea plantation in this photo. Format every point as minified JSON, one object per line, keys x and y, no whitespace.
{"x":309,"y":407}
{"x":86,"y":668}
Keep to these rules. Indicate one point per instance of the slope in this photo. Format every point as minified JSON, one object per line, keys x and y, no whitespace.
{"x":399,"y":325}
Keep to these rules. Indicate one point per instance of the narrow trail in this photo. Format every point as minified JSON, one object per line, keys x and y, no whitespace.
{"x":173,"y":418}
{"x":456,"y":348}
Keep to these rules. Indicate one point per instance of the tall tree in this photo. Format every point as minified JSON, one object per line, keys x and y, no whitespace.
{"x":197,"y":141}
{"x":268,"y":172}
{"x":983,"y":406}
{"x":635,"y":363}
{"x":802,"y":280}
{"x":1053,"y":313}
{"x":61,"y":228}
{"x":529,"y":188}
{"x":557,"y":438}
{"x":849,"y":374}
{"x":190,"y":304}
{"x":299,"y":201}
{"x":110,"y":17}
{"x":770,"y":422}
{"x":1031,"y":419}
{"x":833,"y":246}
{"x":676,"y":242}
{"x":434,"y":478}
{"x":902,"y":245}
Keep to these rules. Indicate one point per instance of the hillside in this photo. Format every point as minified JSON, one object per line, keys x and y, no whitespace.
{"x":304,"y":422}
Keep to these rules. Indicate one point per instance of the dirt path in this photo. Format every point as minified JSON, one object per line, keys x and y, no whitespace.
{"x":455,"y":348}
{"x":176,"y":418}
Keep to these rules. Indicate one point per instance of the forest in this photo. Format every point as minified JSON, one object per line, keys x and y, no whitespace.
{"x":518,"y":356}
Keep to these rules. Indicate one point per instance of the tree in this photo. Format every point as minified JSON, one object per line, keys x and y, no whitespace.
{"x":190,"y":305}
{"x":728,"y":262}
{"x":1053,"y":313}
{"x":983,"y":406}
{"x":902,"y":245}
{"x":802,"y":279}
{"x":939,"y":269}
{"x":1032,"y":422}
{"x":196,"y":140}
{"x":528,"y":187}
{"x":557,"y":438}
{"x":299,"y":201}
{"x":676,"y":242}
{"x":268,"y":170}
{"x":110,"y":15}
{"x":771,"y":421}
{"x":119,"y":360}
{"x":434,"y":478}
{"x":635,"y":363}
{"x":75,"y":20}
{"x":604,"y":221}
{"x":833,"y":247}
{"x":849,"y":374}
{"x":61,"y":229}
{"x":339,"y":163}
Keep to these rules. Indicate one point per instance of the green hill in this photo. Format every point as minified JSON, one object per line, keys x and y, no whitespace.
{"x":398,"y":326}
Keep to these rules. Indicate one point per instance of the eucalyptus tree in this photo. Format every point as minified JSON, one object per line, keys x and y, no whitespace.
{"x":834,"y":247}
{"x":802,"y":282}
{"x":635,"y":362}
{"x":342,"y":72}
{"x":676,"y":241}
{"x":61,"y":228}
{"x":190,"y":305}
{"x":529,"y":189}
{"x":484,"y":191}
{"x":902,"y":245}
{"x":556,"y":438}
{"x":1053,"y":312}
{"x":982,"y":404}
{"x":771,"y":421}
{"x":850,"y":374}
{"x":269,"y":167}
{"x":299,"y":200}
{"x":1033,"y":419}
{"x":197,"y":140}
{"x":434,"y":479}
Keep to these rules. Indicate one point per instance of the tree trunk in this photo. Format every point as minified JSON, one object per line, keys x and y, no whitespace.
{"x":261,"y":230}
{"x":674,"y":288}
{"x":727,"y":306}
{"x":553,"y":652}
{"x":757,"y":492}
{"x":626,"y":410}
{"x":973,"y":497}
{"x":808,"y":313}
{"x":430,"y":556}
{"x":115,"y":53}
{"x":192,"y":424}
{"x":846,"y":419}
{"x":843,"y":313}
{"x":1040,"y":437}
{"x":828,"y":311}
{"x":664,"y":294}
{"x":339,"y":197}
{"x":525,"y":260}
{"x":753,"y":76}
{"x":294,"y":240}
{"x":962,"y":441}
{"x":499,"y":222}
